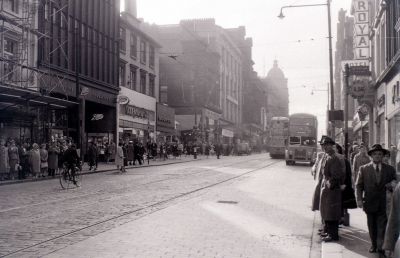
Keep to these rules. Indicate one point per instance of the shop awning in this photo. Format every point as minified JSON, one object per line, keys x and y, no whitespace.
{"x":20,"y":96}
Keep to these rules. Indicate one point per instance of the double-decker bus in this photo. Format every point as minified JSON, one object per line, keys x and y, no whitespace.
{"x":302,"y":145}
{"x":279,"y":134}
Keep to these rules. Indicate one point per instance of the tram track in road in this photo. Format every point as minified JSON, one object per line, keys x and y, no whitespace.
{"x":157,"y":206}
{"x":172,"y":176}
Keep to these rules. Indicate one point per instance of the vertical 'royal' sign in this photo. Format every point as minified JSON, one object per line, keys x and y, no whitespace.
{"x":361,"y":29}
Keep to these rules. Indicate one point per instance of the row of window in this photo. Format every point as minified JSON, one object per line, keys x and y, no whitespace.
{"x":133,"y":83}
{"x":133,"y":48}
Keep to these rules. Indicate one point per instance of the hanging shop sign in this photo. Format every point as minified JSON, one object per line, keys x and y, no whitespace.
{"x":123,"y":100}
{"x":358,"y":87}
{"x":361,"y":29}
{"x":84,"y":91}
{"x":227,"y":133}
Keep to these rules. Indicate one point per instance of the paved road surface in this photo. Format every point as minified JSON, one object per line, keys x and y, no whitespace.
{"x":248,"y":206}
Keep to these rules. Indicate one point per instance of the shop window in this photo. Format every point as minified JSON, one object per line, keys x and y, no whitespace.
{"x":122,"y":41}
{"x":133,"y":46}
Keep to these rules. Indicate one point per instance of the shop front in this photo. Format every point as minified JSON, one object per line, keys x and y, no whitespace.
{"x":100,"y":119}
{"x":393,"y":111}
{"x":165,"y":125}
{"x":29,"y":116}
{"x":136,"y":124}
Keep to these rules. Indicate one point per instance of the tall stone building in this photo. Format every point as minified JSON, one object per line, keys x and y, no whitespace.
{"x":202,"y":77}
{"x":277,"y":92}
{"x":343,"y":54}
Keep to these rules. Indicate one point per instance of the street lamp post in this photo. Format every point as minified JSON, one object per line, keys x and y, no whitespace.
{"x":328,"y":5}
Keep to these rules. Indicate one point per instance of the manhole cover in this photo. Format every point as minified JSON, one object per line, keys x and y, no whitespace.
{"x":228,"y":202}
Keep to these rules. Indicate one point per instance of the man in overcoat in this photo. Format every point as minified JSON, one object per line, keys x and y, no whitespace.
{"x":331,"y":193}
{"x":373,"y":180}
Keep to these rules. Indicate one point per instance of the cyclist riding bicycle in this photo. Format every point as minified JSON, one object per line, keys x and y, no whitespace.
{"x":71,"y":160}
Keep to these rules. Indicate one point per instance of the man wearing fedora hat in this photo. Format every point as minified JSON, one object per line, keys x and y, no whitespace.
{"x":331,"y":193}
{"x":373,"y":180}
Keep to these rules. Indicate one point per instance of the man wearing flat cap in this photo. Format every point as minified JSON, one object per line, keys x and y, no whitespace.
{"x":331,"y":193}
{"x":373,"y":180}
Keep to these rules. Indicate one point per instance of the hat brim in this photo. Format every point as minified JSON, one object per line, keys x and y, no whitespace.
{"x":385,"y":151}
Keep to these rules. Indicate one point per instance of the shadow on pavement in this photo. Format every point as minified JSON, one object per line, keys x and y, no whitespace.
{"x":356,"y":240}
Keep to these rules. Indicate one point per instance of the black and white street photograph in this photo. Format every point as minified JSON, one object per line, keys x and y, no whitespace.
{"x":200,"y":128}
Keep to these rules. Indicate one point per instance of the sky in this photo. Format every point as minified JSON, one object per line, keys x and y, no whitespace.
{"x":299,"y":41}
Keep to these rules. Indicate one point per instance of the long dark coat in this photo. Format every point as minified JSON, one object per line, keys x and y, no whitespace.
{"x":393,"y":226}
{"x":318,"y":176}
{"x":331,"y":194}
{"x":348,"y":196}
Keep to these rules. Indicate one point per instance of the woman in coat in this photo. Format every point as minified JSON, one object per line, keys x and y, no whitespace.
{"x":53,"y":159}
{"x":34,"y":160}
{"x":119,"y":158}
{"x":331,"y":193}
{"x":44,"y":156}
{"x":4,"y":166}
{"x":13,"y":156}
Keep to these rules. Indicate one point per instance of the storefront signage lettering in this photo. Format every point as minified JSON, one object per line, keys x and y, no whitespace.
{"x":381,"y":101}
{"x":361,"y":31}
{"x":136,"y":112}
{"x":358,"y":87}
{"x":97,"y":117}
{"x":165,"y":117}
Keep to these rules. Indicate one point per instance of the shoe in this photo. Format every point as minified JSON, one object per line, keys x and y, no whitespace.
{"x":372,"y":249}
{"x":329,"y":239}
{"x":382,"y":254}
{"x":324,"y":234}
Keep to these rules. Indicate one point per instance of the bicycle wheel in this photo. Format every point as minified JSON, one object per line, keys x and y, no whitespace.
{"x":65,"y":179}
{"x":78,"y":178}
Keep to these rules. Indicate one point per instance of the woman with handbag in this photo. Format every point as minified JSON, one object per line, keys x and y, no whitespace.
{"x":13,"y":156}
{"x":44,"y":165}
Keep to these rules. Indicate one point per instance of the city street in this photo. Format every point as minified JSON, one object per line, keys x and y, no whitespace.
{"x":249,"y":206}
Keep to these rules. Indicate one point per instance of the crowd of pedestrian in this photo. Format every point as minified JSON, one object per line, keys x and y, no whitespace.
{"x":22,"y":160}
{"x":366,"y":180}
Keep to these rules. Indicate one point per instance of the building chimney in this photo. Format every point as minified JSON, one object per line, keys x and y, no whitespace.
{"x":131,"y":8}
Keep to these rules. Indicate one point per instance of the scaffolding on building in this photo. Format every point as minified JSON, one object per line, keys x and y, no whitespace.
{"x":20,"y":36}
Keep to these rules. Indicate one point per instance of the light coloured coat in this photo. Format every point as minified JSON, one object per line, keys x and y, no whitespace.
{"x":119,"y":156}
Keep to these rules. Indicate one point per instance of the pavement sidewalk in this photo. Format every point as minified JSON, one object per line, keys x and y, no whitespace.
{"x":354,"y":240}
{"x":103,"y":167}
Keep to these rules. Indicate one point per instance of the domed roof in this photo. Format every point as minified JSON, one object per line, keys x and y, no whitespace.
{"x":276,"y":72}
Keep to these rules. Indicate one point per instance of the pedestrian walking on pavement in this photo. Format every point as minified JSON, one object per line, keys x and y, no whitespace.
{"x":34,"y":160}
{"x":13,"y":156}
{"x":44,"y":156}
{"x":360,"y":159}
{"x":393,"y":226}
{"x":53,"y":159}
{"x":119,"y":158}
{"x":130,"y":153}
{"x":91,"y":155}
{"x":23,"y":161}
{"x":348,"y":195}
{"x":331,"y":193}
{"x":4,"y":165}
{"x":373,"y":180}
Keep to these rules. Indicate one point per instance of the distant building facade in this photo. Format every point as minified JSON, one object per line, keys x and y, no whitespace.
{"x":138,"y":78}
{"x":277,"y":92}
{"x":201,"y":78}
